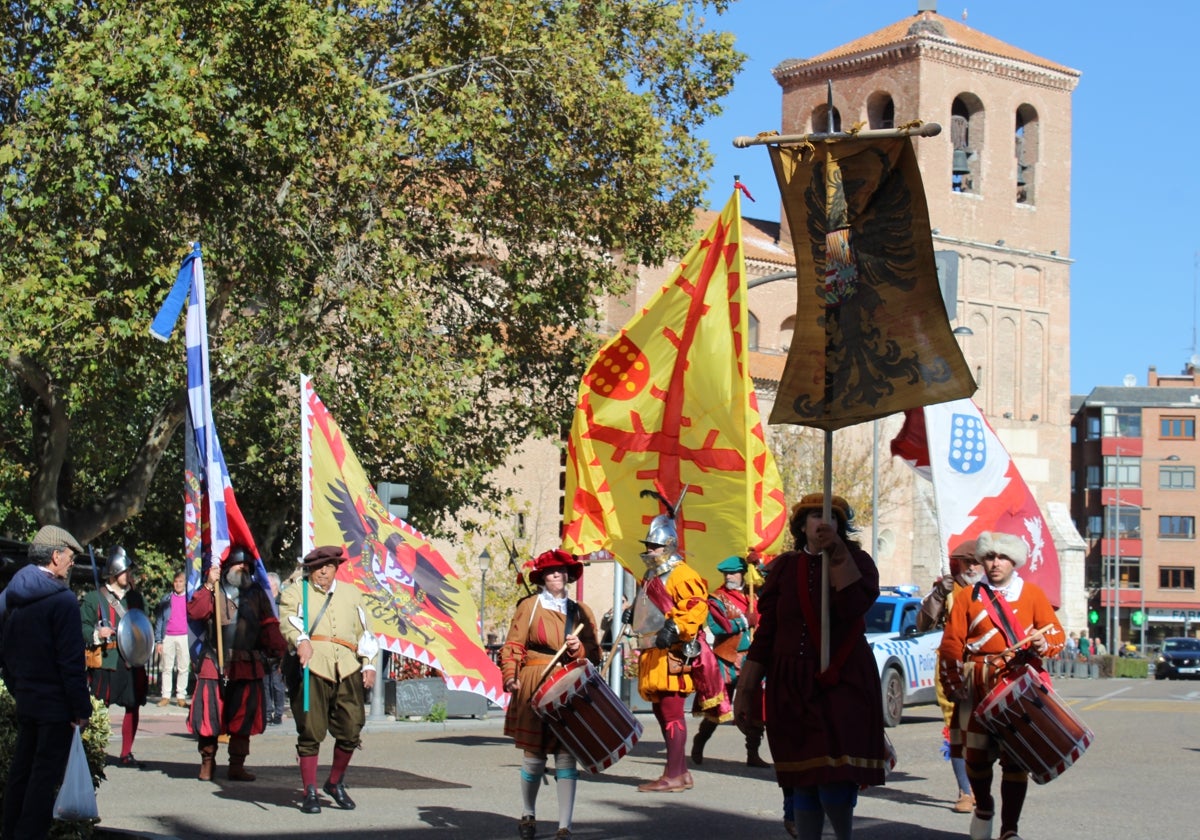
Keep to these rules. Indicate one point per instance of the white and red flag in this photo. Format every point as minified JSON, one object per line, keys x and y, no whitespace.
{"x":976,"y":484}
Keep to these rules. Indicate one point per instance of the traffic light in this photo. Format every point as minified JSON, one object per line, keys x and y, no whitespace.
{"x":393,"y":496}
{"x":1137,"y":617}
{"x":1093,"y":616}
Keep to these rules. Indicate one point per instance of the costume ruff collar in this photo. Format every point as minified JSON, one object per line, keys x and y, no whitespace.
{"x":549,"y":602}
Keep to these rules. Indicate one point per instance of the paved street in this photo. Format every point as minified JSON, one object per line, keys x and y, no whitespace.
{"x":459,"y":780}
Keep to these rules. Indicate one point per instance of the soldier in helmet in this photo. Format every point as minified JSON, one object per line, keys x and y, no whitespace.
{"x":115,"y":682}
{"x":230,"y":701}
{"x":667,"y":616}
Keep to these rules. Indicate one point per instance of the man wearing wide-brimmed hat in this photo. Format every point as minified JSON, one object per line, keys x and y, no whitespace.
{"x":325,"y":622}
{"x":41,"y":651}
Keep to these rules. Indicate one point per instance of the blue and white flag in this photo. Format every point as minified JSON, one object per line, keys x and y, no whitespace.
{"x":218,"y":519}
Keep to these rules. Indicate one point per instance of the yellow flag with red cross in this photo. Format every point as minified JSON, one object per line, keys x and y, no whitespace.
{"x":668,"y":403}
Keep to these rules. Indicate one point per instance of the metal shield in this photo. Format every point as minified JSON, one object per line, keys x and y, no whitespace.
{"x":135,"y":638}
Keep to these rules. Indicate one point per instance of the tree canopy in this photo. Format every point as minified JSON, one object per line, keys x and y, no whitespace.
{"x":417,"y":203}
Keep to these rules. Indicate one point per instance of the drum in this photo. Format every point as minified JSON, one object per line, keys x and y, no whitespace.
{"x":1034,"y":726}
{"x":586,"y":716}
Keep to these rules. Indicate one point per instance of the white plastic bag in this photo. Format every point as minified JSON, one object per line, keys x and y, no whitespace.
{"x":77,"y":797}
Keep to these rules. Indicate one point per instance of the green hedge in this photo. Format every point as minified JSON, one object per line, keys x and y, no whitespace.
{"x":95,"y":744}
{"x":1124,"y":666}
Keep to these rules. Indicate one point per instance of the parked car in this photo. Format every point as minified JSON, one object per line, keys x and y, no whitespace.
{"x":1179,"y":658}
{"x":907,"y":659}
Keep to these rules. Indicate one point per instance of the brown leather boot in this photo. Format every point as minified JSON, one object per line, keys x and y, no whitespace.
{"x":753,"y":759}
{"x":237,"y":770}
{"x":208,"y":762}
{"x":706,"y":730}
{"x":239,"y":748}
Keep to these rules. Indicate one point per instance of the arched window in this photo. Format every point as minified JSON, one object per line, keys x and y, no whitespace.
{"x":1025,"y":148}
{"x":786,"y":330}
{"x":966,"y":135}
{"x":752,"y":326}
{"x":881,"y":110}
{"x":820,"y":119}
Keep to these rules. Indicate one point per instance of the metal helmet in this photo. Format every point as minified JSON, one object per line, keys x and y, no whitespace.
{"x":236,"y":554}
{"x":118,"y":561}
{"x":662,"y":532}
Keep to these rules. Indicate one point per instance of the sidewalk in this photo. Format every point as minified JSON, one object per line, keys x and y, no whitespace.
{"x":460,"y":780}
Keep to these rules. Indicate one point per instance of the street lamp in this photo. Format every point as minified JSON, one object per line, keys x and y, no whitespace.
{"x":1112,"y":618}
{"x":485,"y":560}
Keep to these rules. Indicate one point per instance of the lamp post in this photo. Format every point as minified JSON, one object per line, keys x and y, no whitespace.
{"x":1112,"y":619}
{"x":485,"y":560}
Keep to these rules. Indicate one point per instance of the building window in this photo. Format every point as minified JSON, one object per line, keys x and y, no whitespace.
{"x":1122,"y":472}
{"x":966,"y":137}
{"x":820,"y":119}
{"x":1177,"y":577}
{"x":1130,"y":522}
{"x":881,"y":110}
{"x":1025,"y":148}
{"x":1095,"y":526}
{"x":1093,"y":423}
{"x":1093,"y":476}
{"x":1176,"y":478}
{"x":1129,"y":573}
{"x":1177,"y":428}
{"x":752,"y":326}
{"x":1122,"y":422}
{"x":1177,"y":527}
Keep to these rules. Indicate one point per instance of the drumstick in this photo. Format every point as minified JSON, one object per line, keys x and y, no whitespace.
{"x":613,"y":649}
{"x":550,"y":665}
{"x":1035,"y":634}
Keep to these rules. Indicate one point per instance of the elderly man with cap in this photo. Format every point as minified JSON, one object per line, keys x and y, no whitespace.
{"x":985,"y":624}
{"x":228,"y":698}
{"x":542,"y":625}
{"x":41,"y":658}
{"x":825,"y":727}
{"x":325,"y":623}
{"x":731,"y":619}
{"x":115,"y":682}
{"x":965,"y":572}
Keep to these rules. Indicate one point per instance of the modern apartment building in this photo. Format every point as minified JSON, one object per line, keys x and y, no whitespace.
{"x":1133,"y":490}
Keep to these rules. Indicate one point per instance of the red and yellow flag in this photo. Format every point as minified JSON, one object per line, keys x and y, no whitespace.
{"x":416,"y":605}
{"x":669,"y":403}
{"x":872,"y":337}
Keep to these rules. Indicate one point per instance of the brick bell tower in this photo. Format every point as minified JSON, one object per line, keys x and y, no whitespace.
{"x":998,"y":184}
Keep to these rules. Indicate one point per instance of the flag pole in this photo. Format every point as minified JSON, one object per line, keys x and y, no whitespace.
{"x":826,"y":515}
{"x":307,"y":537}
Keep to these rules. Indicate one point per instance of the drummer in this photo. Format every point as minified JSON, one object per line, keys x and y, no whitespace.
{"x":114,"y":682}
{"x":1003,"y":612}
{"x":541,"y":628}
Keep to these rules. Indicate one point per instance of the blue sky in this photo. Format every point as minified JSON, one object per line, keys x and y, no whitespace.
{"x":1135,"y":234}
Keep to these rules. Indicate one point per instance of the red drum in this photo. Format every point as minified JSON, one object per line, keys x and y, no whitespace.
{"x":586,"y":716}
{"x":1034,"y":725}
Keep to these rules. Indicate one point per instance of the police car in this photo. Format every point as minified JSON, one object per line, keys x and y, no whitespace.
{"x":907,"y":659}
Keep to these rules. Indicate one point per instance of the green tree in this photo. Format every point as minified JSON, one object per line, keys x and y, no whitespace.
{"x":417,"y":203}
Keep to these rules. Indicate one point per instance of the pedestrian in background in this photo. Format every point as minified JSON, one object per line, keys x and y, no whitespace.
{"x":273,"y":691}
{"x":171,"y":642}
{"x":965,"y":572}
{"x":41,"y":658}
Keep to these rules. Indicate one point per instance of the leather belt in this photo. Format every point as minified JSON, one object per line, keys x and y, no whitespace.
{"x":335,"y":640}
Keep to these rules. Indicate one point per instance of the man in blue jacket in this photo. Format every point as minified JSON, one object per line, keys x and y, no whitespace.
{"x":41,"y":653}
